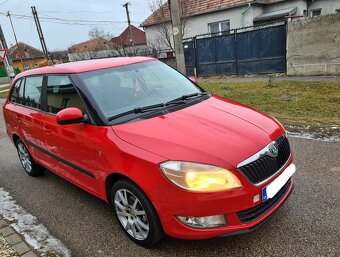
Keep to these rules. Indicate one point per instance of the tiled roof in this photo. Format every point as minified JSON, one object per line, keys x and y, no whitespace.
{"x":92,"y":45}
{"x":124,"y":38}
{"x":24,"y":51}
{"x":196,"y":7}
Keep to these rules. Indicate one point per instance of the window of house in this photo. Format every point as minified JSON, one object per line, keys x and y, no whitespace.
{"x":62,"y":94}
{"x":305,"y":13}
{"x":26,"y":66}
{"x":17,"y":95}
{"x":337,"y":10}
{"x":36,"y":65}
{"x":32,"y":92}
{"x":219,"y":27}
{"x":316,"y":12}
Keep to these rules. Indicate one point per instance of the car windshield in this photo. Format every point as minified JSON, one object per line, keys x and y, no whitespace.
{"x":122,"y":89}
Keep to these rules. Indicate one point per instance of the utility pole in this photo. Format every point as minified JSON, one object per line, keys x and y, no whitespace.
{"x":40,"y":33}
{"x":129,"y":22}
{"x":177,"y":35}
{"x":7,"y":61}
{"x":15,"y":36}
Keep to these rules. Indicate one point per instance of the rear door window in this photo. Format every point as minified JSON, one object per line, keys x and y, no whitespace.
{"x":62,"y":94}
{"x":17,"y":95}
{"x":32,"y":92}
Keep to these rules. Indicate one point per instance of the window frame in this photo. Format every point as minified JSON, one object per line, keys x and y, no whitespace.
{"x":26,"y":66}
{"x":44,"y":108}
{"x":46,"y":86}
{"x":23,"y":83}
{"x":92,"y":120}
{"x":219,"y":27}
{"x":315,"y":10}
{"x":19,"y":82}
{"x":41,"y":95}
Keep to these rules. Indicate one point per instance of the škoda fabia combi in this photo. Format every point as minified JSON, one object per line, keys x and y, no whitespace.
{"x":169,"y":157}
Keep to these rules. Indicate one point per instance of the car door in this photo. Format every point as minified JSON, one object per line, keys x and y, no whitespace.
{"x":70,"y":146}
{"x":26,"y":114}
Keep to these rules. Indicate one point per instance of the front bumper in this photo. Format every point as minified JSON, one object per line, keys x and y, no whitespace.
{"x":241,"y":214}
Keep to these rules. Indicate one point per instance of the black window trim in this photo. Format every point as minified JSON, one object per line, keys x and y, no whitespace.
{"x":44,"y":108}
{"x":23,"y":83}
{"x":92,"y":121}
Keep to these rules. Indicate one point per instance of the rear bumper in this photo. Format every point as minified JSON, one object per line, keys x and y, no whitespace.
{"x":173,"y":227}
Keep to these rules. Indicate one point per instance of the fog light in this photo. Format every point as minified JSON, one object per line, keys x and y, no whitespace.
{"x":204,"y":222}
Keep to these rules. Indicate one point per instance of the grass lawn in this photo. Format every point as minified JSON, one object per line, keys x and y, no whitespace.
{"x":311,"y":106}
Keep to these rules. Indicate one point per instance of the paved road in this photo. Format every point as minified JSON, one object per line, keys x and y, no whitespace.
{"x":307,"y":225}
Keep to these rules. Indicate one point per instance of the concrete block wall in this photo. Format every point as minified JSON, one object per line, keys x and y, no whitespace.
{"x":313,"y":46}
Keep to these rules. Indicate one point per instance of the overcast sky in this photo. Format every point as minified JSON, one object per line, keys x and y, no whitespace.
{"x":81,"y":16}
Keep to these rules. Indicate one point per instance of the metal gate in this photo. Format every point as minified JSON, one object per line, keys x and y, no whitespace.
{"x":239,"y":51}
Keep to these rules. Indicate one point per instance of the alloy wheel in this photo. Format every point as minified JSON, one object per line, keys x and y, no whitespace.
{"x":24,"y":157}
{"x":131,"y":214}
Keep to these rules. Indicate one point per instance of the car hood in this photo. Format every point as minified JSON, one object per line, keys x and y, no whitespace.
{"x":215,"y":131}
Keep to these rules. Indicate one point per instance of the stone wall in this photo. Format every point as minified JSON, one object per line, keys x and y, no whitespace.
{"x":313,"y":46}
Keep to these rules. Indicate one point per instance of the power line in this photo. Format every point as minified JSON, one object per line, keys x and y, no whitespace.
{"x":68,"y":21}
{"x":3,"y":2}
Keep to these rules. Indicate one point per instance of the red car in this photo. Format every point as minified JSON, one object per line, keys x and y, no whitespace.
{"x":169,"y":157}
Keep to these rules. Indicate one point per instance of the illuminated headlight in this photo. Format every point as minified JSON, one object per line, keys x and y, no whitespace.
{"x":203,"y":222}
{"x":199,"y":177}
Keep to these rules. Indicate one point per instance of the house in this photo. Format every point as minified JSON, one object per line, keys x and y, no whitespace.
{"x":121,"y":45}
{"x":124,"y":39}
{"x":216,"y":16}
{"x":126,"y":45}
{"x":25,"y":57}
{"x":91,"y":49}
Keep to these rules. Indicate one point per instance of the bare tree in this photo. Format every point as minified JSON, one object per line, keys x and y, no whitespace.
{"x":161,"y":11}
{"x":97,"y":32}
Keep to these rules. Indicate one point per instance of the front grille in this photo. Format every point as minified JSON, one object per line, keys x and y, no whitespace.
{"x":251,"y":214}
{"x":266,"y":166}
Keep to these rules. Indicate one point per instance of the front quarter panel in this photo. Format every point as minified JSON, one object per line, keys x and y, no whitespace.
{"x":115,"y":156}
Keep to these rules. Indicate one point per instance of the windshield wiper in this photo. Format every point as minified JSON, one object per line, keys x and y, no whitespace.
{"x":137,"y":110}
{"x":146,"y":109}
{"x":185,"y":97}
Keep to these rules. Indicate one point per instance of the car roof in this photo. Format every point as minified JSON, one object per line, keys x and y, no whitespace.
{"x":83,"y":66}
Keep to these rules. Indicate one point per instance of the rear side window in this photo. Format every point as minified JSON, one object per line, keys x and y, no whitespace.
{"x":17,"y":95}
{"x":32,"y":92}
{"x":62,"y":94}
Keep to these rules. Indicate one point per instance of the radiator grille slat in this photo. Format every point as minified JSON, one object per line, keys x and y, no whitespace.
{"x":266,"y":166}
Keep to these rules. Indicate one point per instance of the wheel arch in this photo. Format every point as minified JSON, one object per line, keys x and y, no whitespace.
{"x":15,"y":138}
{"x":111,"y":179}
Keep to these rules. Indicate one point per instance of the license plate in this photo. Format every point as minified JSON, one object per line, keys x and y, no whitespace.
{"x":271,"y":190}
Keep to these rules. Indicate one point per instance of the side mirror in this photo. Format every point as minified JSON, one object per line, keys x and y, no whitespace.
{"x":70,"y":116}
{"x":194,"y":80}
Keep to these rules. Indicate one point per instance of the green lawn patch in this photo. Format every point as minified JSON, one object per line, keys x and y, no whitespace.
{"x":297,"y":104}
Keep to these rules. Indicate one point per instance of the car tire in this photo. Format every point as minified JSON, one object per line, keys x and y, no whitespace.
{"x":30,"y":166}
{"x":136,"y":214}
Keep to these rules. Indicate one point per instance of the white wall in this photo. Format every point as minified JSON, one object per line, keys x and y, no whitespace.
{"x":327,"y":6}
{"x":199,"y":24}
{"x":299,"y":4}
{"x":241,"y":17}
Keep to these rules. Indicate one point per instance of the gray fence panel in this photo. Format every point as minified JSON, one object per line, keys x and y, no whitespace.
{"x":256,"y":50}
{"x":225,"y":55}
{"x":189,"y":54}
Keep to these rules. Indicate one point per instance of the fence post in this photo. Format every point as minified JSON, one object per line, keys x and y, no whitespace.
{"x":195,"y":56}
{"x":235,"y":49}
